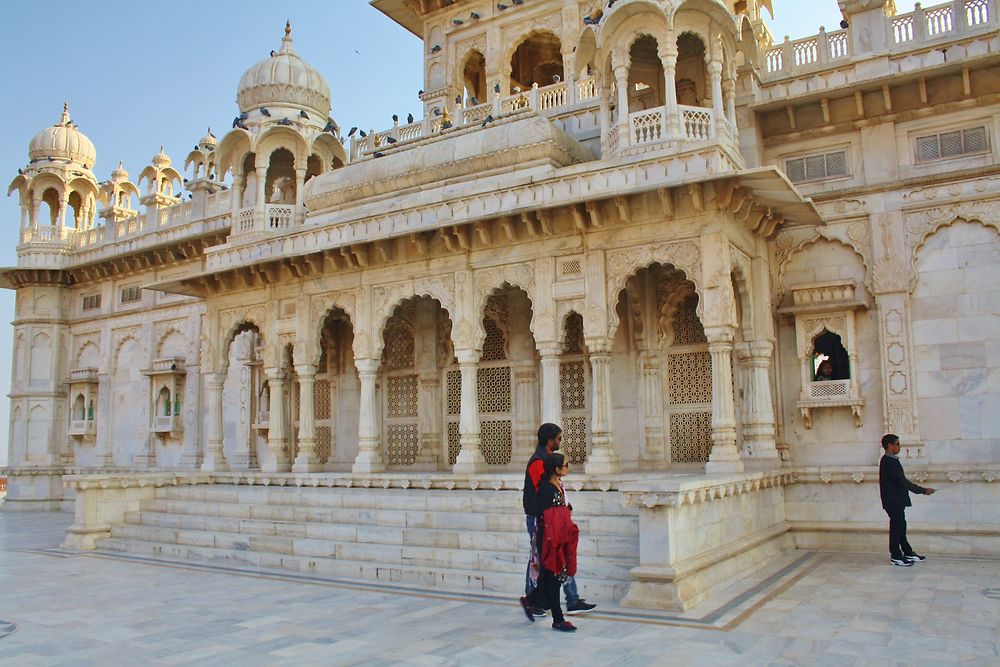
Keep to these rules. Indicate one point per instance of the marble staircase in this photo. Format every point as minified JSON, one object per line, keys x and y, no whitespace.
{"x":458,"y":540}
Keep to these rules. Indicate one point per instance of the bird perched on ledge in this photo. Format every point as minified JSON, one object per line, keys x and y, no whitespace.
{"x":409,"y":118}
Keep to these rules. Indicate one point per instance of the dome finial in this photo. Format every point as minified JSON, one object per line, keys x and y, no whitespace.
{"x":286,"y":41}
{"x":65,"y":120}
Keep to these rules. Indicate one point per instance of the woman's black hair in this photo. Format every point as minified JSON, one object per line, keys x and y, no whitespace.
{"x":553,"y":461}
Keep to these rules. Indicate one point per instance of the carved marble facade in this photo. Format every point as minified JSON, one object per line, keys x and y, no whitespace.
{"x":619,"y":248}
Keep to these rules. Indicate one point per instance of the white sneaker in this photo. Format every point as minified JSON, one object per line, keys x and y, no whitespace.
{"x":902,"y":562}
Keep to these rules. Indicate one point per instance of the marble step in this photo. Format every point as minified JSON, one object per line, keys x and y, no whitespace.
{"x":511,"y":520}
{"x":615,"y":546}
{"x":584,"y":502}
{"x":594,"y":588}
{"x":486,"y":560}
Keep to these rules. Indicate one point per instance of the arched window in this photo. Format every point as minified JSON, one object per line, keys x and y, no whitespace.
{"x":830,"y":358}
{"x":692,"y":78}
{"x":537,"y":59}
{"x":645,"y":76}
{"x":79,"y":410}
{"x":474,"y":78}
{"x":163,"y":402}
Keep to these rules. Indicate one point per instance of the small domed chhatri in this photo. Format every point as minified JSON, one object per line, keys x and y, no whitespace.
{"x":284,"y":79}
{"x":63,"y":141}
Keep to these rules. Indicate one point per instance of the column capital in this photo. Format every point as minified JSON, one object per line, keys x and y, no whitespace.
{"x":275,"y":374}
{"x":367,"y":366}
{"x":214,"y":380}
{"x":621,"y":73}
{"x":468,"y":356}
{"x":549,"y":349}
{"x":598,"y":346}
{"x":720,"y":334}
{"x":305,"y":370}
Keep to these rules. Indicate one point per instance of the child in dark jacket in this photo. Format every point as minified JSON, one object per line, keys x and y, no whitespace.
{"x":546,"y":593}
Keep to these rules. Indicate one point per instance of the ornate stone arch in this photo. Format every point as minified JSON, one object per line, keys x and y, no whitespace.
{"x":84,"y":348}
{"x":921,"y":226}
{"x":278,"y":137}
{"x":232,"y":150}
{"x":519,"y":276}
{"x":743,"y":289}
{"x":163,"y":336}
{"x":523,"y":35}
{"x":119,"y":342}
{"x":630,"y":16}
{"x":793,"y":241}
{"x":622,"y":264}
{"x":233,"y":321}
{"x":322,"y":306}
{"x":387,"y":297}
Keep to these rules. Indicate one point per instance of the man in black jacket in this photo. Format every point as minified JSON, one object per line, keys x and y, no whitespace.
{"x":895,"y":488}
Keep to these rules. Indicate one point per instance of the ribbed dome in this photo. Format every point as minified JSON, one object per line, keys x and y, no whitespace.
{"x":161,"y":159}
{"x":119,"y":174}
{"x":208,"y":141}
{"x":63,"y":140}
{"x":284,"y":79}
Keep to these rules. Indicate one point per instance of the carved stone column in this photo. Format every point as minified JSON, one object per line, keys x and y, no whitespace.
{"x":369,"y":457}
{"x":758,"y":409}
{"x":652,"y":405}
{"x":429,"y":409}
{"x":260,"y":215}
{"x":551,"y":382}
{"x":621,"y":83}
{"x":525,"y":423}
{"x":668,"y":58}
{"x":277,"y":457}
{"x":306,"y":461}
{"x":236,"y":199}
{"x":300,"y":209}
{"x":725,"y":457}
{"x":602,"y":460}
{"x":715,"y":77}
{"x":214,"y":460}
{"x":470,"y":458}
{"x":103,"y":457}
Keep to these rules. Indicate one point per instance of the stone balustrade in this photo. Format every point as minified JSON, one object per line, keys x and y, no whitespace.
{"x":911,"y":31}
{"x":555,"y":99}
{"x":175,"y":218}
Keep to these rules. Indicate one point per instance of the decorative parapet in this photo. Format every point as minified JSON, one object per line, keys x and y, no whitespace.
{"x":594,"y":180}
{"x":683,"y":491}
{"x":923,"y":28}
{"x":922,"y":475}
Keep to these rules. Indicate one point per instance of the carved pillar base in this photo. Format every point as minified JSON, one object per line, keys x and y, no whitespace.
{"x":725,"y":457}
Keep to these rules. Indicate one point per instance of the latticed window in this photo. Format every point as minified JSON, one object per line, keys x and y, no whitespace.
{"x":688,"y":392}
{"x":957,"y":143}
{"x":399,"y":347}
{"x":817,"y":167}
{"x":494,"y":346}
{"x":688,"y":329}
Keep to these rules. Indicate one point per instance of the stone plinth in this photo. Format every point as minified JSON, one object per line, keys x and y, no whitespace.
{"x":699,"y":535}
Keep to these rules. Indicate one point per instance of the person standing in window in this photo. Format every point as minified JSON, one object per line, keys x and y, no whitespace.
{"x":825,"y":371}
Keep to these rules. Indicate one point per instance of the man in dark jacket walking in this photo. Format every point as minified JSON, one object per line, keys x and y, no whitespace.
{"x":895,"y":488}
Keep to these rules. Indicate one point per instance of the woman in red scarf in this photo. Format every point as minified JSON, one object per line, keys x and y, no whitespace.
{"x":555,"y":540}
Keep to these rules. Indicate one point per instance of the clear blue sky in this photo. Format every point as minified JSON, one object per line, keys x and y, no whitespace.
{"x":141,"y":74}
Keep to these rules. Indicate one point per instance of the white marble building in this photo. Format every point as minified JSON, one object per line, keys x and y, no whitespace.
{"x":648,"y":222}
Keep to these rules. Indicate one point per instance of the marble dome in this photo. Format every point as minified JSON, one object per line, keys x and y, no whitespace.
{"x":284,"y":79}
{"x":63,"y":140}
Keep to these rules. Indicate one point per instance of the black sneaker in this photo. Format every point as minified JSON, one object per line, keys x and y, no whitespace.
{"x":902,"y":562}
{"x":527,"y":609}
{"x":581,"y":606}
{"x":915,"y":558}
{"x":565,"y":626}
{"x":538,"y":612}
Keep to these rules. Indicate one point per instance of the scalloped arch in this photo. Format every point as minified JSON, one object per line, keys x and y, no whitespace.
{"x":938,"y":226}
{"x":439,"y":296}
{"x":813,"y":240}
{"x":683,"y":256}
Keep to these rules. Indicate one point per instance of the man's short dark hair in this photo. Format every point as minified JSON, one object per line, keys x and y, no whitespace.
{"x":547,"y":432}
{"x":889,"y":439}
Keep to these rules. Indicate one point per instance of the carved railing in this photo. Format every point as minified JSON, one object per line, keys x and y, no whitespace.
{"x":555,"y":99}
{"x":279,"y":216}
{"x":905,"y":32}
{"x":646,"y":127}
{"x":697,"y":123}
{"x":48,"y":234}
{"x":245,"y":220}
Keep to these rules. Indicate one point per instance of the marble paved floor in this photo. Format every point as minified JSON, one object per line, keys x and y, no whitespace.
{"x":828,"y":609}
